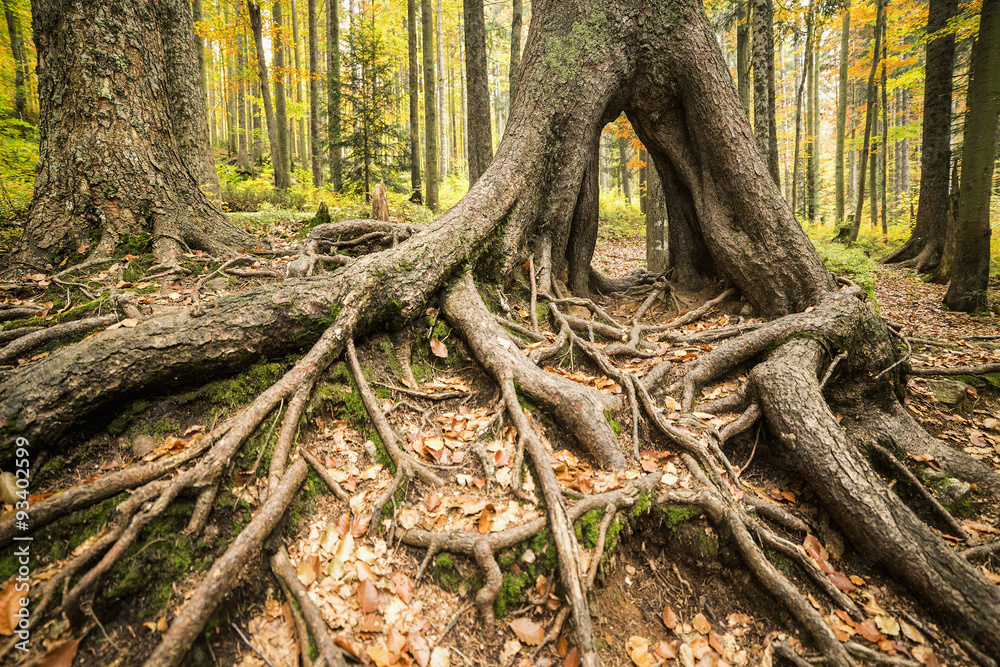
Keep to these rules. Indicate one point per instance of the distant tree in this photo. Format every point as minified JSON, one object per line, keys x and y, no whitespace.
{"x":376,"y":143}
{"x":430,"y":105}
{"x":281,"y":180}
{"x":413,"y":88}
{"x":333,"y":91}
{"x":480,"y":133}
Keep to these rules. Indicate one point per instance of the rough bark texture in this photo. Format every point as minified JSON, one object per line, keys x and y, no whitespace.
{"x":479,"y":133}
{"x":743,"y":53}
{"x":430,"y":105}
{"x":657,"y":227}
{"x":186,"y":103}
{"x":111,"y":163}
{"x":762,"y":19}
{"x":279,"y":151}
{"x":869,"y":126}
{"x":927,"y":239}
{"x":971,"y":272}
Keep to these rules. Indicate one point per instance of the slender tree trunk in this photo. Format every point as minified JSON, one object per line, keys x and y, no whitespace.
{"x":333,"y":92}
{"x":869,"y":113}
{"x":515,"y":48}
{"x":657,"y":228}
{"x":199,"y":42}
{"x":231,"y":116}
{"x":442,"y":133}
{"x":971,"y":271}
{"x":798,"y":107}
{"x":926,"y":242}
{"x":773,"y":165}
{"x":623,"y":165}
{"x":242,"y":159}
{"x":743,"y":53}
{"x":20,"y":99}
{"x":314,"y":141}
{"x":411,"y":35}
{"x":845,"y":43}
{"x":301,"y":135}
{"x":257,"y":140}
{"x":885,"y":131}
{"x":810,"y":133}
{"x":279,"y":152}
{"x":273,"y":126}
{"x":430,"y":104}
{"x":479,"y":135}
{"x":815,"y":131}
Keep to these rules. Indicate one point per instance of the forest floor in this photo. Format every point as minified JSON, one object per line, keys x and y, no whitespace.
{"x":667,"y":587}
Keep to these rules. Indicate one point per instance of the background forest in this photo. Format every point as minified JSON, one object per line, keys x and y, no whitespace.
{"x":823,"y":56}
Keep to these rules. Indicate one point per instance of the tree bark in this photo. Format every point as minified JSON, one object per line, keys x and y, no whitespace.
{"x":884,"y":152}
{"x":798,"y":108}
{"x":300,"y":139}
{"x":743,"y":53}
{"x":199,"y":43}
{"x":762,"y":88}
{"x":229,"y":92}
{"x":20,"y":99}
{"x":430,"y":105}
{"x":926,"y":242}
{"x":314,"y":140}
{"x":845,"y":45}
{"x":971,"y":270}
{"x":411,"y":36}
{"x":479,"y":133}
{"x":274,"y":126}
{"x":657,"y":226}
{"x":242,"y":157}
{"x":515,"y":48}
{"x":866,"y":147}
{"x":98,"y":177}
{"x":279,"y":151}
{"x":333,"y":92}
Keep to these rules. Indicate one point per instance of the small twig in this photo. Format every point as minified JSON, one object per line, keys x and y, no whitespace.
{"x":829,"y":369}
{"x":903,"y":358}
{"x":442,"y":396}
{"x":252,"y":647}
{"x":324,"y":474}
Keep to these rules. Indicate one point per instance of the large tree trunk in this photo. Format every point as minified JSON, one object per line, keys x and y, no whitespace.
{"x":926,"y":242}
{"x":971,"y":271}
{"x":660,"y":64}
{"x":97,"y":176}
{"x":479,"y":132}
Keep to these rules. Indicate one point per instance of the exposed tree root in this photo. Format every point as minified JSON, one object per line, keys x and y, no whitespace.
{"x":979,"y":369}
{"x":283,"y":569}
{"x":59,"y":332}
{"x":188,"y":623}
{"x":324,"y":474}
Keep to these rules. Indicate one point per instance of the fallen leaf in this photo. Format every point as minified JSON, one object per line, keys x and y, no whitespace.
{"x":359,"y":523}
{"x":61,"y":655}
{"x":440,"y":657}
{"x":665,"y":650}
{"x":511,"y":648}
{"x":888,"y":625}
{"x":438,"y":348}
{"x":911,"y":632}
{"x":367,"y":597}
{"x":669,"y":618}
{"x":701,"y":624}
{"x":638,"y":649}
{"x":573,"y":658}
{"x":925,"y":656}
{"x":419,"y":648}
{"x":9,"y":606}
{"x":380,"y":656}
{"x":870,"y":631}
{"x":842,"y":582}
{"x":528,"y":631}
{"x":404,"y":586}
{"x":305,"y":573}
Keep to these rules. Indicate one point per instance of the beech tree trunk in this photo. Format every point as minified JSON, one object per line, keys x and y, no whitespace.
{"x":279,"y":151}
{"x":869,"y":122}
{"x":13,"y":30}
{"x":480,"y":134}
{"x":926,"y":242}
{"x":845,"y":44}
{"x":99,"y":180}
{"x":315,"y":150}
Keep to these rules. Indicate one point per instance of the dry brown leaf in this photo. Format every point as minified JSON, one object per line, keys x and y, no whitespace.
{"x":925,"y":656}
{"x":911,"y":632}
{"x":669,"y":618}
{"x":573,"y":658}
{"x":305,"y":573}
{"x":870,"y":631}
{"x":359,"y":523}
{"x":438,"y":348}
{"x":419,"y":648}
{"x":9,"y":606}
{"x":841,"y":581}
{"x":367,"y":597}
{"x":61,"y":655}
{"x":666,"y":650}
{"x":888,"y":625}
{"x":404,"y":586}
{"x":638,"y":649}
{"x":701,"y":624}
{"x":527,"y":631}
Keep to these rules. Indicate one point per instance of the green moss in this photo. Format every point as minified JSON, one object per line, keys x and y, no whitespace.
{"x":248,"y":385}
{"x":642,"y":505}
{"x":445,"y":573}
{"x":511,"y":593}
{"x":709,"y":545}
{"x":587,"y":527}
{"x":389,"y":349}
{"x":676,"y":514}
{"x":125,"y":419}
{"x":612,"y":422}
{"x":161,"y":428}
